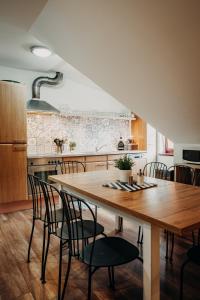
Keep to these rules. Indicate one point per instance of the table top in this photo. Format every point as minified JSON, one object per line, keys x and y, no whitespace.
{"x":170,"y":205}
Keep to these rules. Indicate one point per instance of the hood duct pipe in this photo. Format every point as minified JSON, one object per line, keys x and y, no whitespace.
{"x":35,"y":104}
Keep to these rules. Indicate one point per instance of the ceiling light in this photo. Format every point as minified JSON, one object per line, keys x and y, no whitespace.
{"x":41,"y":51}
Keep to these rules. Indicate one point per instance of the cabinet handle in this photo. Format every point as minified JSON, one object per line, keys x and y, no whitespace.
{"x":19,"y":147}
{"x":100,"y":164}
{"x":19,"y":141}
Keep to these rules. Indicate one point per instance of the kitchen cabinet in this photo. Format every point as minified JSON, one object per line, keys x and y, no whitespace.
{"x":13,"y":166}
{"x":13,"y":152}
{"x":96,"y":166}
{"x":12,"y":113}
{"x":96,"y":163}
{"x":139,"y":133}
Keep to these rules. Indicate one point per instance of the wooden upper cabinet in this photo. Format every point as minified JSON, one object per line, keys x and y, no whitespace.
{"x":139,"y":133}
{"x":12,"y":113}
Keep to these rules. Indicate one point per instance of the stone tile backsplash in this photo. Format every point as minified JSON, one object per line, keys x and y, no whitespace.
{"x":87,"y":132}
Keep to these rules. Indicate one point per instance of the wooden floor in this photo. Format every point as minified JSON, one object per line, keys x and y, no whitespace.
{"x":20,"y":280}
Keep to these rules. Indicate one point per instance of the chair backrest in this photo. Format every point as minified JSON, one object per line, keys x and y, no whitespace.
{"x":155,"y":170}
{"x":42,"y":171}
{"x":196,"y":180}
{"x":72,"y":167}
{"x":37,"y":197}
{"x":184,"y":174}
{"x":73,"y":205}
{"x":170,"y":173}
{"x":51,"y":197}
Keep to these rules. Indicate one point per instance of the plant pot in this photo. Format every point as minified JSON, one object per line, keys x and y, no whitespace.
{"x":124,"y":175}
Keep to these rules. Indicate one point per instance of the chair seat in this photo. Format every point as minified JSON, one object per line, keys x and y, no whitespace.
{"x":110,"y":251}
{"x":58,"y":216}
{"x":194,"y":254}
{"x":85,"y":230}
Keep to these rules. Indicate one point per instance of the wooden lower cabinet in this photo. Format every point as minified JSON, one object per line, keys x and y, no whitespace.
{"x":96,"y":166}
{"x":13,"y":176}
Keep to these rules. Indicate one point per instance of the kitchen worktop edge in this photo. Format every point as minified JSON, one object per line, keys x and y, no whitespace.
{"x":73,"y":154}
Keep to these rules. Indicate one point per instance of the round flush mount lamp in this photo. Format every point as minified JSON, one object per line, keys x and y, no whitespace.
{"x":41,"y":51}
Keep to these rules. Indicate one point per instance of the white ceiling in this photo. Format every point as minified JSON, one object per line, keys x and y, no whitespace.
{"x":16,"y":19}
{"x":15,"y":50}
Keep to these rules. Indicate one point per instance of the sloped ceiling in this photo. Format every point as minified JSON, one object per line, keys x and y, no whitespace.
{"x":144,"y":53}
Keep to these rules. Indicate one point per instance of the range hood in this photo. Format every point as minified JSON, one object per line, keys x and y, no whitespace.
{"x":36,"y":104}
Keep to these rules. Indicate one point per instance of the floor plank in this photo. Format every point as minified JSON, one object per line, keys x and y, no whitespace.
{"x":20,"y":280}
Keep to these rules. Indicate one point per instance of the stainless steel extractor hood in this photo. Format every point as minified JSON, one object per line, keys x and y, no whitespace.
{"x":36,"y":104}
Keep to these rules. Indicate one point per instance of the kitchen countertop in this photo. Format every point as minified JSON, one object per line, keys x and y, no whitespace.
{"x":91,"y":153}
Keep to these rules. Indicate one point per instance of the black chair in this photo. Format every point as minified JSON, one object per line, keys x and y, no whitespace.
{"x":155,"y":170}
{"x":193,"y":256}
{"x":68,"y":167}
{"x":84,"y":228}
{"x":170,"y":173}
{"x":39,"y":213}
{"x":107,"y":252}
{"x":72,"y":167}
{"x":182,"y":174}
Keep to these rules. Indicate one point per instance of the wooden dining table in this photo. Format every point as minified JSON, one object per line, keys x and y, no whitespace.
{"x":169,"y":205}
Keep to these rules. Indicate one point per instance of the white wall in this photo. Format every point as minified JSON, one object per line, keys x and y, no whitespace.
{"x":151,"y":143}
{"x":80,"y":95}
{"x":144,"y":53}
{"x":178,"y":151}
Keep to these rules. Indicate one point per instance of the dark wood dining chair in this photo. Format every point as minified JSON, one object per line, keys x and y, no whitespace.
{"x":155,"y":170}
{"x":182,"y":174}
{"x":58,"y":228}
{"x":106,"y":252}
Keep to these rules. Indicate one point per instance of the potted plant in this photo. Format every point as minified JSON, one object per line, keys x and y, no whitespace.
{"x":124,"y":164}
{"x":72,"y":146}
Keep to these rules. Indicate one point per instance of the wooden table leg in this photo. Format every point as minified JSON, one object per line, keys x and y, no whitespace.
{"x":151,"y":265}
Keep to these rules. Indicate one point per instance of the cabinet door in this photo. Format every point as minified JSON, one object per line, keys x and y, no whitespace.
{"x":96,"y":166}
{"x":12,"y":113}
{"x":99,"y":166}
{"x":111,"y":165}
{"x":13,"y":176}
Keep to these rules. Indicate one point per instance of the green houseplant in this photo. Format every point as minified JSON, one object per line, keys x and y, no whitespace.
{"x":124,"y":164}
{"x":72,"y":145}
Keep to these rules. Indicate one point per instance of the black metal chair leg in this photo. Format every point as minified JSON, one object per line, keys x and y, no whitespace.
{"x":167,"y":244}
{"x":113,"y":278}
{"x":139,"y":230}
{"x":193,"y":238}
{"x":141,"y":242}
{"x":43,"y":250}
{"x":30,"y":241}
{"x":181,"y":278}
{"x":172,"y":247}
{"x":110,"y":277}
{"x":66,"y":276}
{"x":95,"y":211}
{"x":45,"y":259}
{"x":60,"y":270}
{"x":89,"y":283}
